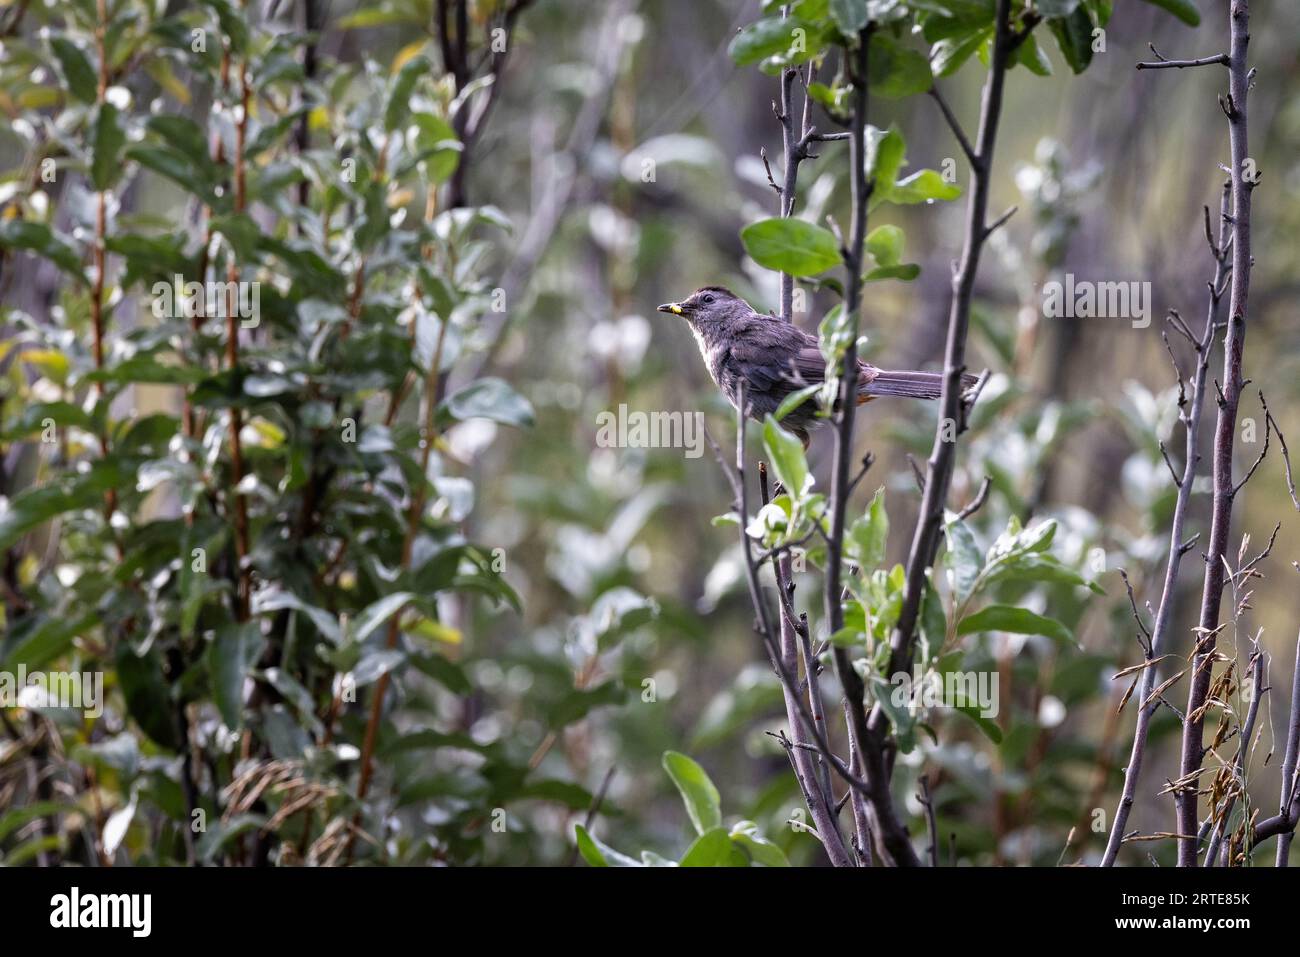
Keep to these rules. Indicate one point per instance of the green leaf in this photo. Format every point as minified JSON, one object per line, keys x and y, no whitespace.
{"x":438,"y":149}
{"x":38,"y":504}
{"x":987,"y":726}
{"x":947,"y":55}
{"x":375,"y":662}
{"x":106,"y":141}
{"x":148,"y":699}
{"x":31,"y":849}
{"x":787,"y":457}
{"x":617,"y":612}
{"x":230,"y":656}
{"x":904,"y":271}
{"x":220,"y":833}
{"x":1020,"y":621}
{"x":18,"y":816}
{"x":177,"y":167}
{"x":399,"y":97}
{"x":572,"y":796}
{"x":447,"y":673}
{"x":233,"y":24}
{"x":1100,"y":10}
{"x":964,"y":558}
{"x":600,"y":855}
{"x":1184,"y":10}
{"x":850,"y":17}
{"x":900,"y":717}
{"x":886,"y":151}
{"x":1074,"y":36}
{"x":834,"y":334}
{"x":182,"y":134}
{"x":703,"y":803}
{"x":41,"y":643}
{"x":759,"y":848}
{"x":268,"y":135}
{"x":773,"y":36}
{"x":794,"y":400}
{"x":895,"y":71}
{"x":579,"y":702}
{"x":886,"y":155}
{"x":381,"y":16}
{"x":145,"y":369}
{"x":1041,"y":568}
{"x":39,"y":238}
{"x":830,"y":97}
{"x":869,"y":534}
{"x":1031,"y":56}
{"x":791,"y":246}
{"x":885,"y":244}
{"x":488,"y":398}
{"x":933,"y":619}
{"x":76,"y":68}
{"x":714,"y":848}
{"x":922,"y":186}
{"x":376,"y":613}
{"x":32,"y":419}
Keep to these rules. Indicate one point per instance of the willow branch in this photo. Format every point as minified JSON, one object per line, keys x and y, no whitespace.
{"x":1155,"y":648}
{"x":1193,"y":751}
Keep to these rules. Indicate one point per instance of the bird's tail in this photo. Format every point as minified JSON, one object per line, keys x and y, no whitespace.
{"x":912,"y":385}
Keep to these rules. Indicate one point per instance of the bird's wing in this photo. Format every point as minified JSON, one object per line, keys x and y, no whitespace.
{"x":783,"y":353}
{"x":776,"y":355}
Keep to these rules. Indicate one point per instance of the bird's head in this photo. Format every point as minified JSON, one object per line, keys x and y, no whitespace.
{"x":708,"y":307}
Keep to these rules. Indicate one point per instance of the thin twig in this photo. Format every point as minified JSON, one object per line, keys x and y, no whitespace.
{"x":1193,"y":750}
{"x":1163,"y":63}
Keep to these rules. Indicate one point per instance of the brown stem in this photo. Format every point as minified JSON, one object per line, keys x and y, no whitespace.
{"x":894,"y":843}
{"x":1193,"y":751}
{"x":428,"y":438}
{"x":1165,"y":612}
{"x":942,"y":461}
{"x":99,"y":257}
{"x":240,"y":505}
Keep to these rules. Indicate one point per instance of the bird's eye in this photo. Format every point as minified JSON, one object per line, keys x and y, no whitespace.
{"x":707,"y":299}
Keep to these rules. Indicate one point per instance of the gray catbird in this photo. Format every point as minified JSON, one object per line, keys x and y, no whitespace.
{"x":774,"y":358}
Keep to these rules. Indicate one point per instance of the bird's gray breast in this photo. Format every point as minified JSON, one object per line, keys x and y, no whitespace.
{"x":722,"y":366}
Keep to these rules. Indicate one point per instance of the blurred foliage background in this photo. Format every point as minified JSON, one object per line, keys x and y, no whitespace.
{"x":567,"y":613}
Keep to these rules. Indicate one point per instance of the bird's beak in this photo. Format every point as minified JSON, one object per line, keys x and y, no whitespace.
{"x":671,"y":307}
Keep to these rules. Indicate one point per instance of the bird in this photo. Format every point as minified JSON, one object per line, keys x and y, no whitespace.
{"x":772,"y":358}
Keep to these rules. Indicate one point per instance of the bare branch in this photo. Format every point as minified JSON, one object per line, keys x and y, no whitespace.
{"x":1146,"y":646}
{"x":1150,"y":695}
{"x":1234,"y":107}
{"x":1263,"y":453}
{"x":895,"y":845}
{"x":953,"y":404}
{"x":927,"y":802}
{"x":957,"y":131}
{"x":1163,"y":63}
{"x":990,"y":229}
{"x":1172,"y":473}
{"x":1270,"y":422}
{"x":974,"y":505}
{"x":1268,"y":550}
